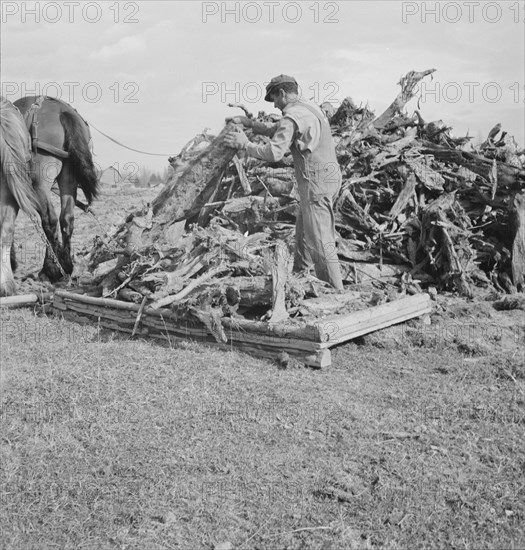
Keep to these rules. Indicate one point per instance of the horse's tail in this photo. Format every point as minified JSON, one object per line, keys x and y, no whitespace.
{"x":80,"y":156}
{"x":15,"y":154}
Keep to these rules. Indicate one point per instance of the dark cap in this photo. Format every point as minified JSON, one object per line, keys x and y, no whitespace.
{"x":275,"y":81}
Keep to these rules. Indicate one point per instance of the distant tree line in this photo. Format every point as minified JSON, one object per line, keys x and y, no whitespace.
{"x":146,"y":177}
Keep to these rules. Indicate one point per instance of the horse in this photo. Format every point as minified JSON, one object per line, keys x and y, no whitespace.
{"x":61,"y":152}
{"x":16,"y":189}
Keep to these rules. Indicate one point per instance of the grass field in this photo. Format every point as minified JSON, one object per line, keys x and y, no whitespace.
{"x":414,"y":438}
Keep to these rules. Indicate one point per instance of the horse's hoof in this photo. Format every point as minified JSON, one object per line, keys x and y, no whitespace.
{"x":51,"y":271}
{"x":67,"y":263}
{"x":42,"y":276}
{"x":8,"y":288}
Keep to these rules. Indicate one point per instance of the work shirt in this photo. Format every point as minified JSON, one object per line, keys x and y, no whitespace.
{"x":306,"y":129}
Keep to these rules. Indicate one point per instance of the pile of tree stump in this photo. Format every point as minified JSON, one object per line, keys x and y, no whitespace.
{"x":418,"y":208}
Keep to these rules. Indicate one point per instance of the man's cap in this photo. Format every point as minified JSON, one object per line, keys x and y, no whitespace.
{"x":275,"y":81}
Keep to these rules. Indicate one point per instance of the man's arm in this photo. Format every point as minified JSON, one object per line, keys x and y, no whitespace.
{"x":281,"y":139}
{"x":264,"y":128}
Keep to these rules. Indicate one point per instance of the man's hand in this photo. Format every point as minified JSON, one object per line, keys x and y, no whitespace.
{"x":237,"y":140}
{"x":244,"y":120}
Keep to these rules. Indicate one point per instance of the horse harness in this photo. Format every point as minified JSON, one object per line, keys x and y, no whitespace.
{"x":31,"y":119}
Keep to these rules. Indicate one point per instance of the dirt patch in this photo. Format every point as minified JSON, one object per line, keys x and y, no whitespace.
{"x":471,"y":327}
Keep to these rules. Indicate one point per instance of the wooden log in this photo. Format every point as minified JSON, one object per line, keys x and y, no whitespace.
{"x":279,"y":278}
{"x":129,"y":309}
{"x":184,"y":196}
{"x":344,"y":113}
{"x":451,"y":258}
{"x":508,"y":176}
{"x":517,"y":219}
{"x":19,"y":301}
{"x":124,"y":317}
{"x":355,"y":251}
{"x":187,"y":191}
{"x":59,"y":304}
{"x":245,"y":183}
{"x":290,"y":334}
{"x":342,"y":327}
{"x":86,"y":319}
{"x":516,"y":301}
{"x":339,"y":329}
{"x":105,"y":268}
{"x":153,"y":323}
{"x":128,"y":295}
{"x":104,"y":302}
{"x":332,"y":330}
{"x":289,"y":329}
{"x":233,"y":336}
{"x":406,"y":194}
{"x":192,"y":286}
{"x":427,"y":176}
{"x":23,"y":300}
{"x":172,"y":279}
{"x":126,"y":320}
{"x":408,"y":85}
{"x":249,"y":291}
{"x":462,"y":279}
{"x":327,"y":332}
{"x":274,"y":342}
{"x":348,"y":212}
{"x":311,"y":354}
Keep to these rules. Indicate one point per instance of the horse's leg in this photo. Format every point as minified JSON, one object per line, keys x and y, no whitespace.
{"x":45,"y":170}
{"x":8,"y":213}
{"x":68,"y":194}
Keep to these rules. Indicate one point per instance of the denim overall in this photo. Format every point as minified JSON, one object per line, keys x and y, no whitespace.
{"x":319,"y":181}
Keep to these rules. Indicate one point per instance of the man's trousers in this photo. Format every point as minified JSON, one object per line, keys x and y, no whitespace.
{"x":315,"y":239}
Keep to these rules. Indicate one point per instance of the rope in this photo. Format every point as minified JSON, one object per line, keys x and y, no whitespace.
{"x":130,"y":148}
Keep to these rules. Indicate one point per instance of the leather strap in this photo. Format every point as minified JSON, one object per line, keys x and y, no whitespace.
{"x":37,"y":146}
{"x":314,"y":112}
{"x":42,"y":146}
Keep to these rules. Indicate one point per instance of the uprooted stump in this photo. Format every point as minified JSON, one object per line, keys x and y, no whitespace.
{"x":195,"y":177}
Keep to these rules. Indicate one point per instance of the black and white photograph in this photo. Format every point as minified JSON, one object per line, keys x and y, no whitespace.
{"x":262,"y":275}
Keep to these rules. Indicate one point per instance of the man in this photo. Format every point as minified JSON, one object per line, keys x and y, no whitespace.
{"x":304,"y":130}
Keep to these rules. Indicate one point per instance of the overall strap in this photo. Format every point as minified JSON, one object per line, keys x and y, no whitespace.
{"x":319,"y":116}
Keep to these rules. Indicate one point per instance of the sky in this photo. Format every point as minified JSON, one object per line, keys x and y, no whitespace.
{"x":153,"y":74}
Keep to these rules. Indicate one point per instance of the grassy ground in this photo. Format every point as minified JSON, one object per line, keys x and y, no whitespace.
{"x":413,"y":439}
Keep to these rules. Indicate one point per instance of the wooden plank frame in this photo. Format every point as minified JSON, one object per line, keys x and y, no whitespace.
{"x":309,"y":343}
{"x":23,"y":300}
